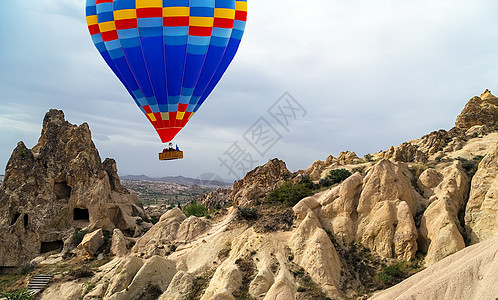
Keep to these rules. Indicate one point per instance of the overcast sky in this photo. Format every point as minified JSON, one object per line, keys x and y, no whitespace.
{"x":364,"y":75}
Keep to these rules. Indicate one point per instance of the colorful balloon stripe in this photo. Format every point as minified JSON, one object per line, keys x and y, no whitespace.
{"x":169,"y":54}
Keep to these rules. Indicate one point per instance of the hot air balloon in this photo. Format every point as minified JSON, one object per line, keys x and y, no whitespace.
{"x":169,"y":54}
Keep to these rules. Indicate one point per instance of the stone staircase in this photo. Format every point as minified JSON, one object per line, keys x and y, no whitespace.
{"x":37,"y":284}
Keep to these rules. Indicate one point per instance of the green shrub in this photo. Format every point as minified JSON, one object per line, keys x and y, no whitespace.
{"x":392,"y":274}
{"x":339,"y":175}
{"x":247,"y":213}
{"x":335,"y":176}
{"x":22,"y":153}
{"x":17,"y":295}
{"x":290,"y":194}
{"x":78,"y":236}
{"x":194,"y":209}
{"x":325,"y":182}
{"x":470,"y":166}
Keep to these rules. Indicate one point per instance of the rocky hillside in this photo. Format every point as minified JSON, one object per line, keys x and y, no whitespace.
{"x":58,"y":187}
{"x":343,"y":228}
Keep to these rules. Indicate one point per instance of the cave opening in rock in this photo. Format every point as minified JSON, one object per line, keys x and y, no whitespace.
{"x":26,"y":223}
{"x":9,"y":270}
{"x":14,"y":220}
{"x":51,"y":246}
{"x":81,"y":214}
{"x":62,"y":190}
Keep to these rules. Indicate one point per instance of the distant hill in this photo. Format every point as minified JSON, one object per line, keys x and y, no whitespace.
{"x":180,"y":180}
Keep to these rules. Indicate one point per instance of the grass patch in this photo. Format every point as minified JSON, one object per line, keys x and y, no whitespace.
{"x":248,"y":269}
{"x":200,"y":285}
{"x":194,"y":209}
{"x":395,"y":273}
{"x":16,"y":295}
{"x":9,"y":281}
{"x":307,"y":288}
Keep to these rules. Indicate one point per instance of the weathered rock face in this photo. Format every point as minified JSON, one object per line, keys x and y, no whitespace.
{"x":258,"y":182}
{"x":447,"y":190}
{"x":481,"y":214}
{"x":57,"y":186}
{"x":345,"y":158}
{"x":91,"y":243}
{"x":386,"y":208}
{"x":468,"y":274}
{"x":317,"y":169}
{"x":376,"y":211}
{"x":314,"y":251}
{"x":479,"y":111}
{"x":119,"y":243}
{"x":173,"y":227}
{"x":150,"y":281}
{"x":407,"y":152}
{"x":217,"y":199}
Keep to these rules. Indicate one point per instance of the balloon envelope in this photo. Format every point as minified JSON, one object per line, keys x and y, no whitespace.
{"x":169,"y":54}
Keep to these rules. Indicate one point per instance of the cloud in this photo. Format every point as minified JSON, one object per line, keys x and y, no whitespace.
{"x":370,"y":75}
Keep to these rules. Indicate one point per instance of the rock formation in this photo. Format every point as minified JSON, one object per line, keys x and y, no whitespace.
{"x":376,"y":210}
{"x":258,"y":182}
{"x":481,"y":215}
{"x":440,"y":231}
{"x":479,"y":111}
{"x":59,"y":185}
{"x":217,"y":199}
{"x":468,"y":274}
{"x":410,"y":200}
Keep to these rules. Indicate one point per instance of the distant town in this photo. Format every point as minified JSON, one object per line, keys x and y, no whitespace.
{"x":168,"y":190}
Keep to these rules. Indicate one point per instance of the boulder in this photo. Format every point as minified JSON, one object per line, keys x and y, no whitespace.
{"x":91,"y":243}
{"x":119,"y":243}
{"x":160,"y":237}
